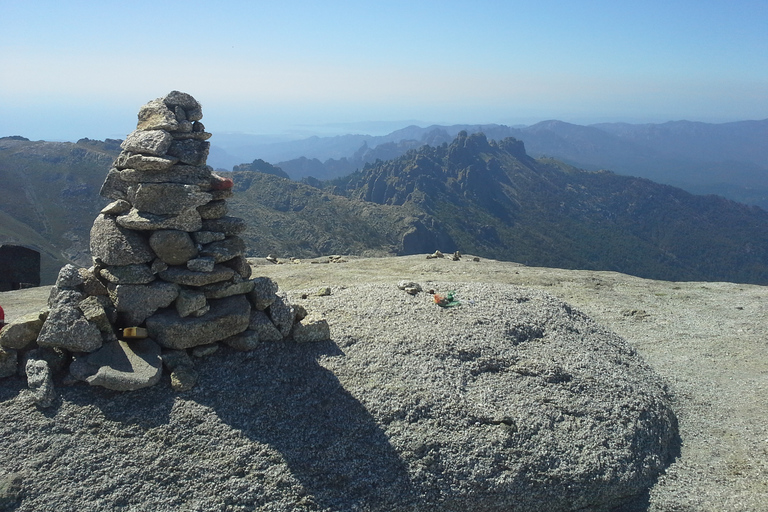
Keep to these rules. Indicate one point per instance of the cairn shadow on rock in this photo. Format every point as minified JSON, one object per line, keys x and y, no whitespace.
{"x":280,"y":395}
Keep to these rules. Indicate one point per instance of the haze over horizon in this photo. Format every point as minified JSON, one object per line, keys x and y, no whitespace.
{"x":82,"y":69}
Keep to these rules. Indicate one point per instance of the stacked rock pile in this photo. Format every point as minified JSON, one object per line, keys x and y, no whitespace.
{"x":169,"y":277}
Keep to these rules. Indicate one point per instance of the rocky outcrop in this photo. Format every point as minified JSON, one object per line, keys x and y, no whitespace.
{"x":512,"y":400}
{"x":168,"y":273}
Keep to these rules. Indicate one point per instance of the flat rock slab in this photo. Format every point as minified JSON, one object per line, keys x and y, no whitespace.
{"x":125,"y":366}
{"x":226,"y":318}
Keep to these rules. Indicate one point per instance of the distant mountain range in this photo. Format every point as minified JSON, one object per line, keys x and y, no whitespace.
{"x":729,"y":159}
{"x":473,"y":194}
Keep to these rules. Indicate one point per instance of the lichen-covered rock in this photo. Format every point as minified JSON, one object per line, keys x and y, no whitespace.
{"x":227,"y":225}
{"x":199,"y":176}
{"x":69,"y":277}
{"x":139,"y":162}
{"x":136,"y":302}
{"x":240,"y":265}
{"x":138,"y":273}
{"x":206,"y":237}
{"x":181,"y":275}
{"x":246,"y":340}
{"x":172,"y":246}
{"x":263,"y":294}
{"x":112,"y":244}
{"x":227,"y":289}
{"x":311,"y":328}
{"x":213,"y":210}
{"x":225,"y":250}
{"x":188,"y":220}
{"x":149,"y":142}
{"x":260,"y":323}
{"x":40,"y":382}
{"x":99,"y":311}
{"x":22,"y":332}
{"x":166,"y":198}
{"x":202,"y":265}
{"x":190,"y":151}
{"x":190,"y":301}
{"x":155,"y":115}
{"x":282,"y":314}
{"x":226,"y":318}
{"x":8,"y":362}
{"x":66,"y":326}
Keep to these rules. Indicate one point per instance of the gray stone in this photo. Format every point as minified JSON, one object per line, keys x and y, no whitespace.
{"x":245,"y":341}
{"x":225,"y":250}
{"x":311,"y":329}
{"x":227,"y":225}
{"x":240,"y":265}
{"x":201,"y":264}
{"x":173,"y":359}
{"x":21,"y":333}
{"x":8,"y":362}
{"x":190,"y":151}
{"x":184,"y":131}
{"x":179,"y":174}
{"x":11,"y":490}
{"x":56,"y":358}
{"x":99,"y":311}
{"x":137,"y":302}
{"x":67,"y":328}
{"x":118,"y":207}
{"x":150,"y":142}
{"x":264,"y":293}
{"x":206,"y":237}
{"x":227,"y":289}
{"x":260,"y":323}
{"x":166,"y":198}
{"x":181,"y":275}
{"x":172,"y":246}
{"x":282,"y":314}
{"x":213,"y":210}
{"x":124,"y":366}
{"x":158,"y":266}
{"x":91,"y":283}
{"x":183,"y":100}
{"x":112,"y":244}
{"x":40,"y":382}
{"x":226,"y":318}
{"x":69,"y":277}
{"x":205,"y":350}
{"x":183,"y":378}
{"x":114,"y":187}
{"x":188,"y":220}
{"x":190,"y":301}
{"x":139,"y":162}
{"x":138,"y":273}
{"x":155,"y":115}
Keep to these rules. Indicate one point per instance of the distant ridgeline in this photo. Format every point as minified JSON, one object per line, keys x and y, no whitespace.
{"x":480,"y":197}
{"x":493,"y":200}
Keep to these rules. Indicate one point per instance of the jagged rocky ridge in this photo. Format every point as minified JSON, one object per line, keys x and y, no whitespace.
{"x":169,"y":273}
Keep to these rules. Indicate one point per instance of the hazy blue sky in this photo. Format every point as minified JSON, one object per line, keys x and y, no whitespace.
{"x":71,"y":69}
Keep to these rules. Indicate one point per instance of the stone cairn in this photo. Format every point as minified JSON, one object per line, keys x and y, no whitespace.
{"x":169,"y":278}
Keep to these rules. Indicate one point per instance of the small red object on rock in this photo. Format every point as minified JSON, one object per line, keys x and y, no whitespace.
{"x":220,"y":183}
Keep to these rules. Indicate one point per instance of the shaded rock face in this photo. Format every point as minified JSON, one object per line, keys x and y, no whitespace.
{"x":168,"y":267}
